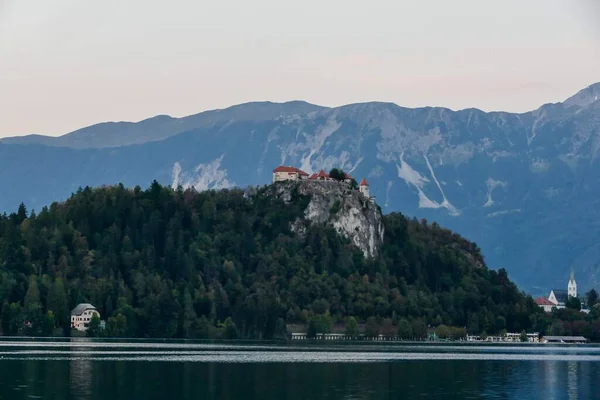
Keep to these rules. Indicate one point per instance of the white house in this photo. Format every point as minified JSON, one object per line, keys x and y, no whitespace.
{"x":82,"y":315}
{"x":545,"y":304}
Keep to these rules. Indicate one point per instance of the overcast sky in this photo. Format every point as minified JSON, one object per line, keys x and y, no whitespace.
{"x":65,"y":64}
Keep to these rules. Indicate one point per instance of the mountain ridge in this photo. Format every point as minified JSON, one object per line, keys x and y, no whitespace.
{"x":523,"y":186}
{"x":581,"y":99}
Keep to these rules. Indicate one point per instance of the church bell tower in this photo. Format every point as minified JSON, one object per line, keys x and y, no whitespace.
{"x":572,"y":287}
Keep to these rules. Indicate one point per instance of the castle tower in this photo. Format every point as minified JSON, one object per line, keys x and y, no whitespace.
{"x":364,"y":188}
{"x":572,"y":287}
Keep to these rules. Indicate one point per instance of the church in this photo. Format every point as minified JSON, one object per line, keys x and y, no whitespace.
{"x":558,"y":297}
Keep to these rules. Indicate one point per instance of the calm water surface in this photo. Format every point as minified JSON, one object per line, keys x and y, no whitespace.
{"x":86,"y":369}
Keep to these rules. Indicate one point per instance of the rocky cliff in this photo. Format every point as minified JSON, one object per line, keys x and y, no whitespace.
{"x":337,"y":205}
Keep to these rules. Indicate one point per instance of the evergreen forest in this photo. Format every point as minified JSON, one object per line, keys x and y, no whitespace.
{"x":165,"y":263}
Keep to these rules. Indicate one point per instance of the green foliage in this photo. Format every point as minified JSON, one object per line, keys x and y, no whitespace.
{"x":524,"y":337}
{"x":573,"y":303}
{"x":405,"y":329}
{"x":229,"y":329}
{"x":592,"y":298}
{"x":337,"y":174}
{"x":419,"y":329}
{"x":443,"y":332}
{"x":94,"y":326}
{"x":322,"y":323}
{"x":174,"y":263}
{"x":371,"y":327}
{"x":117,"y":326}
{"x":351,"y":329}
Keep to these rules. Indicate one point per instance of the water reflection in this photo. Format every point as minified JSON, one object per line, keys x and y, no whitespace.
{"x":81,"y":369}
{"x":89,"y":370}
{"x":572,"y":385}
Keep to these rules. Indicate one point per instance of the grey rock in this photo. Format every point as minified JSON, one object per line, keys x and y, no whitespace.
{"x":336,"y":205}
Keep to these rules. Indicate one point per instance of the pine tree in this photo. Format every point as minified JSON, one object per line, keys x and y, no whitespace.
{"x":58,"y":304}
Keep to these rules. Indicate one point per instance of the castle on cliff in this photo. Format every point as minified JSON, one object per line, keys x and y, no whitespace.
{"x":286,"y":173}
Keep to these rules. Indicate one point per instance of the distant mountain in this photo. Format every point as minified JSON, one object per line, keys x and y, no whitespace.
{"x":525,"y":187}
{"x":117,"y":134}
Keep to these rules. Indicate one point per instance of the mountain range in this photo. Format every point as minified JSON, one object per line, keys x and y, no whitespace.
{"x":525,"y":187}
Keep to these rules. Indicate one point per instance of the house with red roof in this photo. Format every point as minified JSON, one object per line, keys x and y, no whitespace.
{"x":288,"y":173}
{"x":283,"y":173}
{"x":545,"y":304}
{"x":324,"y":176}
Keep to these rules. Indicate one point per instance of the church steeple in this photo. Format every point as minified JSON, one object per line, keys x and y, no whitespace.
{"x":572,"y":286}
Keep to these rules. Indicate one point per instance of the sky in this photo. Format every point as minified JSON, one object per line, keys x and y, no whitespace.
{"x":66,"y":64}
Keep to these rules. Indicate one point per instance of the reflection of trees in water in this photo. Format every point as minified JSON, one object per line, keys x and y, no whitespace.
{"x":572,"y":378}
{"x":80,"y":369}
{"x":291,"y":381}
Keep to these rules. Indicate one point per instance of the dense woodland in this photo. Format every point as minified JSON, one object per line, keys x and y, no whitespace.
{"x":181,"y":264}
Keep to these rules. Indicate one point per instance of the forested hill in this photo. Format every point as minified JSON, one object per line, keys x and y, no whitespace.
{"x":174,"y":263}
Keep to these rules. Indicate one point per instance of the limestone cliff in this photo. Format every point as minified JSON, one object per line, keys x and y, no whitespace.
{"x":336,"y":205}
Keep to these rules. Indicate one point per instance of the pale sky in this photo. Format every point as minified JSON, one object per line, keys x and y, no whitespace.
{"x":65,"y":64}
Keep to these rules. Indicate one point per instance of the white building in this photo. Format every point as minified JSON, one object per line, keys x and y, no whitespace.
{"x":364,"y":188}
{"x":283,"y":173}
{"x":82,"y":315}
{"x":559,"y":297}
{"x":572,"y":285}
{"x":545,"y":304}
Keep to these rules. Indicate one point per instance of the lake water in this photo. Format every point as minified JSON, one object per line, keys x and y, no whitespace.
{"x":85,"y":369}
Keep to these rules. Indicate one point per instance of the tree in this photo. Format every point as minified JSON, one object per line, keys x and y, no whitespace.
{"x":94,"y":326}
{"x":322,"y":323}
{"x":524,"y":337}
{"x":351,"y":329}
{"x":592,"y":298}
{"x":48,"y":323}
{"x":573,"y":303}
{"x":419,"y":329}
{"x":116,"y":326}
{"x":229,"y":329}
{"x":190,"y":318}
{"x":58,"y":304}
{"x":483,"y":335}
{"x":405,"y":329}
{"x":557,"y":328}
{"x":311,"y":332}
{"x":388,"y":328}
{"x":177,"y":263}
{"x":337,"y":174}
{"x":33,"y":307}
{"x":442,"y":331}
{"x":371,"y":327}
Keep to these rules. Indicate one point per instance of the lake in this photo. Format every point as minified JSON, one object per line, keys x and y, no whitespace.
{"x":112,"y":370}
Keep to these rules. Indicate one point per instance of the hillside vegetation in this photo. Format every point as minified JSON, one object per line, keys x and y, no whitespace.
{"x":174,"y":263}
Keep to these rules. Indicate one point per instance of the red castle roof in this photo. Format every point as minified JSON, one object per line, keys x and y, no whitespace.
{"x":283,"y":168}
{"x":364,"y":182}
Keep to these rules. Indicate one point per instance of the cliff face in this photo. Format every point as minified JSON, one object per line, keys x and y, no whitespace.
{"x":336,"y":205}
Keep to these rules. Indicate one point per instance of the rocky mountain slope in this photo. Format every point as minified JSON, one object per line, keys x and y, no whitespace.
{"x":338,"y":206}
{"x":525,"y":187}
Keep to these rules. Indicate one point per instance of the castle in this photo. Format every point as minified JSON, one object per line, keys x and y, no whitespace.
{"x":286,"y":173}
